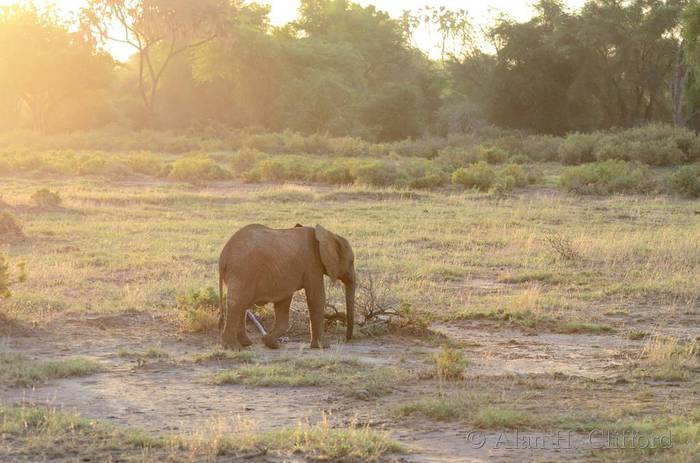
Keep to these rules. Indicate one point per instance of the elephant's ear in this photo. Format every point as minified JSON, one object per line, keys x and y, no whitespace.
{"x":330,"y":250}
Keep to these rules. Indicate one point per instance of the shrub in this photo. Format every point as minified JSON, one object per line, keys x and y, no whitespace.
{"x":46,"y":198}
{"x":144,"y":163}
{"x":317,"y":143}
{"x":608,"y":177}
{"x":292,"y":142}
{"x":335,"y":173}
{"x":376,"y":173}
{"x":196,"y":169}
{"x":541,"y":148}
{"x":104,"y":166}
{"x":503,"y":184}
{"x":478,"y":175}
{"x":685,"y":181}
{"x":8,"y":225}
{"x":517,"y":173}
{"x":265,"y":142}
{"x":349,"y":146}
{"x":283,"y":168}
{"x":491,"y":154}
{"x":453,"y":158}
{"x":199,"y":310}
{"x":422,"y":173}
{"x":423,"y":147}
{"x":519,"y":159}
{"x":449,"y":363}
{"x":4,"y":278}
{"x":245,"y":159}
{"x":578,"y":148}
{"x":653,"y":152}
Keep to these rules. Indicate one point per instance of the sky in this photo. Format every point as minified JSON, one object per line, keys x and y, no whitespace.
{"x":482,"y":12}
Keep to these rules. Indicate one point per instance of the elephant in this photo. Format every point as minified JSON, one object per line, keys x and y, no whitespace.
{"x":259,"y":265}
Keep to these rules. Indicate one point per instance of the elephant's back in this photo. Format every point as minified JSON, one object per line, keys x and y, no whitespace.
{"x":257,"y":246}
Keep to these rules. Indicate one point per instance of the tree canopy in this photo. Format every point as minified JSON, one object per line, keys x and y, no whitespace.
{"x":348,"y":69}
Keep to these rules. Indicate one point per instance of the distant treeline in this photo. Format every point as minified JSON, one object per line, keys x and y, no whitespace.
{"x":348,"y":70}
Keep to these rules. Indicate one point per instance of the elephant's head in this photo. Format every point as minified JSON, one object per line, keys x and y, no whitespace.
{"x":339,"y":264}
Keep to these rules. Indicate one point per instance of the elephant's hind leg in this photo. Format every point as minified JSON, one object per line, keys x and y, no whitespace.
{"x":281,"y":323}
{"x":235,"y":309}
{"x":242,"y":334}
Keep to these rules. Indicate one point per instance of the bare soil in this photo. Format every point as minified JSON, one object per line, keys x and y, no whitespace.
{"x":175,"y":394}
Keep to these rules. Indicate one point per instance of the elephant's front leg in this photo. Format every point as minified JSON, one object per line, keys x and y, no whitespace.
{"x":316,"y":299}
{"x":281,"y":323}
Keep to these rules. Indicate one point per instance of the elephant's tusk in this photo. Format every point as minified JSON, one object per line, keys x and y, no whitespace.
{"x":255,"y":321}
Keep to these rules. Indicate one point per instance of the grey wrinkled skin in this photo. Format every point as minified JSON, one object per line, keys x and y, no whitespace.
{"x":259,"y":265}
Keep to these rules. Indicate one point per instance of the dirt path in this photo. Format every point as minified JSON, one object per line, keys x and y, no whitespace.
{"x":175,"y":394}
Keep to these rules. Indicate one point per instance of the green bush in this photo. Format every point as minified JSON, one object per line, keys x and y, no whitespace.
{"x":205,"y":299}
{"x":265,"y":142}
{"x":292,"y":142}
{"x":376,"y":173}
{"x":199,"y":310}
{"x":578,"y":148}
{"x":516,"y":172}
{"x":335,"y":173}
{"x":491,"y":154}
{"x":46,"y":198}
{"x":503,"y":184}
{"x":611,"y":176}
{"x":423,"y":147}
{"x":9,"y":225}
{"x":245,"y":160}
{"x":652,"y":152}
{"x":423,"y":174}
{"x":4,"y":278}
{"x":452,"y":158}
{"x":196,"y":169}
{"x":541,"y":148}
{"x":685,"y":181}
{"x":283,"y":168}
{"x":519,"y":159}
{"x":478,"y":175}
{"x":145,"y":163}
{"x":104,"y":166}
{"x":349,"y":146}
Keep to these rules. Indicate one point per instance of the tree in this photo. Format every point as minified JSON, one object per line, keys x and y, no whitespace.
{"x":158,"y":30}
{"x":684,"y":86}
{"x":45,"y":66}
{"x":630,"y":55}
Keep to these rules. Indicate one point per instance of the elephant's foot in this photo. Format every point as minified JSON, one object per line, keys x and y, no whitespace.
{"x":244,"y":340}
{"x":271,"y":341}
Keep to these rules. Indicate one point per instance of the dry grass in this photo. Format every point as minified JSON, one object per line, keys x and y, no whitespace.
{"x":316,"y":441}
{"x":40,"y":434}
{"x":668,"y":358}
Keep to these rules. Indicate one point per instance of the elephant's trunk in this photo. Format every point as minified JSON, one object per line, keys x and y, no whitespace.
{"x":349,"y":308}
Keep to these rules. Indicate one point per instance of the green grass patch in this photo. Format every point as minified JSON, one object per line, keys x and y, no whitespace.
{"x":313,"y":371}
{"x":48,"y":434}
{"x":357,"y":379}
{"x":574,"y":327}
{"x":21,"y":371}
{"x":219,"y":354}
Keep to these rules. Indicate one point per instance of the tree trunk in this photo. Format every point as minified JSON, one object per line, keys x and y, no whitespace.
{"x":678,"y":87}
